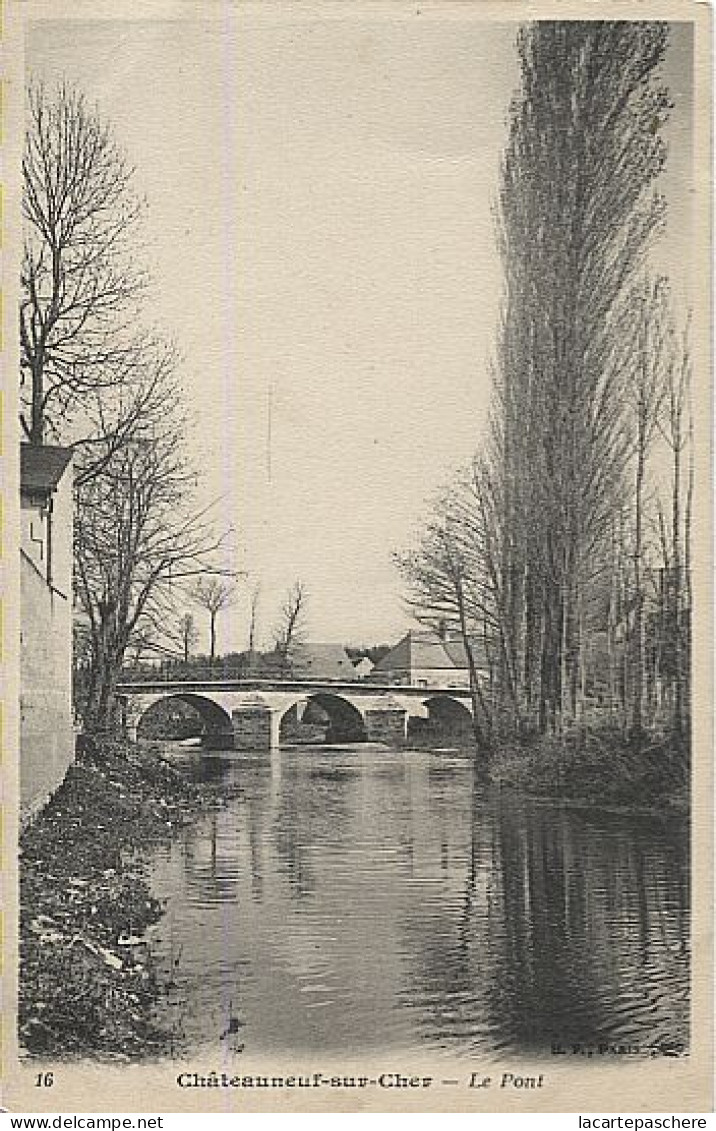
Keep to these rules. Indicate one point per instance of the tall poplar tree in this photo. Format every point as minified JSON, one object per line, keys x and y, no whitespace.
{"x":578,"y":211}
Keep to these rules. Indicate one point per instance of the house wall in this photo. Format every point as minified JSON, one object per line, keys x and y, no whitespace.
{"x":442,"y":677}
{"x":46,"y":728}
{"x":429,"y":677}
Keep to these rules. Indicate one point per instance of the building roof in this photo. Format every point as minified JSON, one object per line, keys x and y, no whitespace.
{"x":325,"y":661}
{"x":42,"y":466}
{"x":422,"y":650}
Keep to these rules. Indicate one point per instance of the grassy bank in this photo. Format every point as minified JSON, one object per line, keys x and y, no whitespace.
{"x":598,"y":767}
{"x":87,"y":985}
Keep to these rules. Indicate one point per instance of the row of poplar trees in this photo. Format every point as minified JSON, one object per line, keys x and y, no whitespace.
{"x":561,"y":555}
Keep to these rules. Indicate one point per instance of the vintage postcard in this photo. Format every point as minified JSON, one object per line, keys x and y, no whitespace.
{"x":357,"y":574}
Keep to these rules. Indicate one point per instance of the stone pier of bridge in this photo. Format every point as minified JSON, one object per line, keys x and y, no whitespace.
{"x":256,"y":723}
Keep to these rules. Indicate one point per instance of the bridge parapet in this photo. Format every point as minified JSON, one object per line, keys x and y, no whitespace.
{"x":358,"y":688}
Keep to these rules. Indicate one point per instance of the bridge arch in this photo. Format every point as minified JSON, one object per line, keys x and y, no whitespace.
{"x":447,"y":717}
{"x":342,"y":719}
{"x":214,"y":718}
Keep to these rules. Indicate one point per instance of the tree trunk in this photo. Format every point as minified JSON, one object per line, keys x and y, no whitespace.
{"x":37,"y":423}
{"x":637,"y":715}
{"x":100,"y":715}
{"x":686,"y":617}
{"x":676,"y":587}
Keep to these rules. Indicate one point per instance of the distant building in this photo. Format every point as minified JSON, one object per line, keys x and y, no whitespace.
{"x":321,"y":661}
{"x":46,"y":730}
{"x":364,"y":667}
{"x":424,"y":659}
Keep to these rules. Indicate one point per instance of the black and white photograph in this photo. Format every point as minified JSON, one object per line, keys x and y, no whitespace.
{"x":360,"y":403}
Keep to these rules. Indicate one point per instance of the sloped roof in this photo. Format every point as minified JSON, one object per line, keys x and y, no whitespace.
{"x":327,"y":661}
{"x":42,"y":466}
{"x":418,"y":650}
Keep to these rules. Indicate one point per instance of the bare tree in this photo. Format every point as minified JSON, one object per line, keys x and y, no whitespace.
{"x":448,"y":585}
{"x":214,"y":594}
{"x":646,"y":329}
{"x":253,"y":621}
{"x":142,"y":640}
{"x":80,"y":279}
{"x":188,"y":635}
{"x":139,"y":537}
{"x":677,"y":431}
{"x":290,"y":630}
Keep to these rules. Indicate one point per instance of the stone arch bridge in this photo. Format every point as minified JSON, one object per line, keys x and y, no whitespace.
{"x":248,"y":713}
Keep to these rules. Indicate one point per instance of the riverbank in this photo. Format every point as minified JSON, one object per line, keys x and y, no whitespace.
{"x":597,"y":769}
{"x":87,"y":984}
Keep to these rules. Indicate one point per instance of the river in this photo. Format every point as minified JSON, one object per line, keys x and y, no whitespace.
{"x":357,"y":900}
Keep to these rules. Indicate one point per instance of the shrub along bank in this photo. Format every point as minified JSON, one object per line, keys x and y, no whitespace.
{"x":597,"y":767}
{"x":87,"y":984}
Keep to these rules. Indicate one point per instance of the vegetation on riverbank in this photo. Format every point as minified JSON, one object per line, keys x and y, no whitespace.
{"x":597,"y":767}
{"x":87,"y":984}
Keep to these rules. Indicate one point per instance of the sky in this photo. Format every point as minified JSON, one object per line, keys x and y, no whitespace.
{"x":321,"y":235}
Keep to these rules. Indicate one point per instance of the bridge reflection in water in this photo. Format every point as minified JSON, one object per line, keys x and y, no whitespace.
{"x":369,"y":900}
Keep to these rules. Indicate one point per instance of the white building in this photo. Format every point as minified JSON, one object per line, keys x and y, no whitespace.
{"x":424,"y":659}
{"x":46,"y":730}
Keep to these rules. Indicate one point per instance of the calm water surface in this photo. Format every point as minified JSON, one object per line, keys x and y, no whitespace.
{"x":362,"y":900}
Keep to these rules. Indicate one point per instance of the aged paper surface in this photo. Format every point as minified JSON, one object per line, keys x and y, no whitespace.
{"x":324,"y":189}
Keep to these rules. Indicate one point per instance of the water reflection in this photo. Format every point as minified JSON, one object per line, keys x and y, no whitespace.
{"x":367,"y":900}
